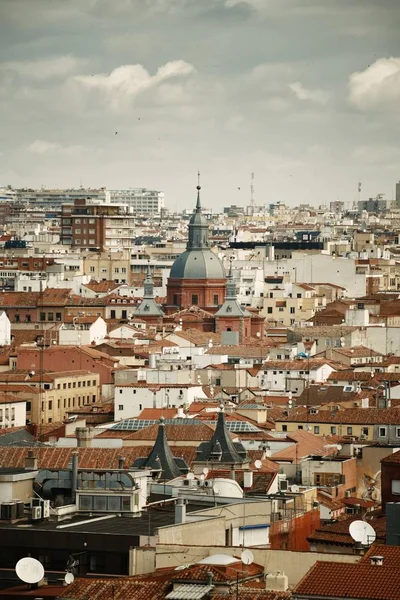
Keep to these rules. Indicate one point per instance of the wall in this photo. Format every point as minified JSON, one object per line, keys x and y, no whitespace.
{"x":8,"y":410}
{"x":294,"y":564}
{"x":209,"y":532}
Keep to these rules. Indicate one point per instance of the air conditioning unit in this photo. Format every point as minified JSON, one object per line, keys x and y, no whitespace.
{"x":45,"y":506}
{"x":36,"y":513}
{"x":208,"y":483}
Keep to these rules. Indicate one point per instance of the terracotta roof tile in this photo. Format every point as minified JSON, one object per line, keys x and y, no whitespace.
{"x":344,"y":580}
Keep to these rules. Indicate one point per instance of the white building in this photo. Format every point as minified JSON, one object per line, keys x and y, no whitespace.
{"x":12,"y":411}
{"x":130,"y":399}
{"x":82,"y":331}
{"x":293,"y":375}
{"x":139,"y":200}
{"x":5,"y":329}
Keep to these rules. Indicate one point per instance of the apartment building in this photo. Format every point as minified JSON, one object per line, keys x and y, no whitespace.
{"x":140,"y":201}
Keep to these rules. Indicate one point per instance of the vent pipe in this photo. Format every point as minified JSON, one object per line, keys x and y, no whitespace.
{"x":121,"y":463}
{"x":74,"y":478}
{"x":31,"y":461}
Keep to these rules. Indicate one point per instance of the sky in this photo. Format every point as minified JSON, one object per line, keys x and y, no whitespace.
{"x":145,"y":93}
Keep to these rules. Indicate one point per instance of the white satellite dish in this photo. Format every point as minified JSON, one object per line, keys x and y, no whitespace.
{"x":69,"y":578}
{"x":29,"y":570}
{"x":362,"y":532}
{"x":190,"y":475}
{"x":206,"y":471}
{"x":258,"y":464}
{"x":247,"y":557}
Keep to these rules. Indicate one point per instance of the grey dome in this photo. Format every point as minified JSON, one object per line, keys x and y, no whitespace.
{"x":198,"y":264}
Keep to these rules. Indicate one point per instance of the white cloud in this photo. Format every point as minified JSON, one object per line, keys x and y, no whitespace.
{"x":378,"y":87}
{"x":128,"y":81}
{"x":45,"y":147}
{"x":43,"y":69}
{"x":303,"y":93}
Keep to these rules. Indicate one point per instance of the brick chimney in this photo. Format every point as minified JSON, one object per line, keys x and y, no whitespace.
{"x":31,"y":461}
{"x":84,"y":435}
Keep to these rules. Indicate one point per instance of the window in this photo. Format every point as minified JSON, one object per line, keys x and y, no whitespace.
{"x":124,"y":314}
{"x":269,"y":310}
{"x":175,"y":300}
{"x":50,"y":316}
{"x":300,"y":427}
{"x":292,"y":310}
{"x":218,"y":381}
{"x":94,"y":382}
{"x":398,"y":432}
{"x":195,"y":299}
{"x":58,"y":316}
{"x":50,"y":404}
{"x":216,"y":299}
{"x":27,"y":318}
{"x":91,"y":269}
{"x":365,"y":431}
{"x":112,"y":314}
{"x":17,"y":318}
{"x":349,"y":431}
{"x":284,"y":427}
{"x":333,"y":429}
{"x":120,"y":407}
{"x":382,"y":431}
{"x":396,"y":486}
{"x":316,"y":429}
{"x":42,"y":316}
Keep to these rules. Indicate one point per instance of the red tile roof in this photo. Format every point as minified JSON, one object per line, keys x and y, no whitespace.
{"x":345,"y":580}
{"x":391,"y":555}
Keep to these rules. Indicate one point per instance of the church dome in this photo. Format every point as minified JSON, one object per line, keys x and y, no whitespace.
{"x":198,"y":264}
{"x":198,"y":261}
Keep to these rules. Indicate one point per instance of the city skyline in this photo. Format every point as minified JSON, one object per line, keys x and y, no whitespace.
{"x":143,"y":94}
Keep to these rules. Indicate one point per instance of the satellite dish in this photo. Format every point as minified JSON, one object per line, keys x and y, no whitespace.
{"x":206,"y":471}
{"x":202,"y":477}
{"x":29,"y":570}
{"x":247,"y":557}
{"x":362,"y":532}
{"x":190,"y":475}
{"x":258,"y":464}
{"x":339,"y":447}
{"x":69,"y":578}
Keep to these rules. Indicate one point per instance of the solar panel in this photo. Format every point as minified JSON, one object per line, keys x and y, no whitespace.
{"x":136,"y":424}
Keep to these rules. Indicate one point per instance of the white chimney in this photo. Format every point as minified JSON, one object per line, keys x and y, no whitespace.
{"x":180,"y":511}
{"x":377,"y":560}
{"x":277,"y":582}
{"x":247,"y":479}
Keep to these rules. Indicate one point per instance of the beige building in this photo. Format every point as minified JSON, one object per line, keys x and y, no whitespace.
{"x":112,"y":266}
{"x":290,"y":307}
{"x":48,"y":398}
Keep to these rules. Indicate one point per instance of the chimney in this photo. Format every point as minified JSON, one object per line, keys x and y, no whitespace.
{"x":31,"y":461}
{"x":209,"y":578}
{"x":180,"y":413}
{"x":377,"y":560}
{"x":74,"y":475}
{"x":180,"y":511}
{"x":84,"y":435}
{"x":277,"y":582}
{"x":233,"y":476}
{"x":121,"y":463}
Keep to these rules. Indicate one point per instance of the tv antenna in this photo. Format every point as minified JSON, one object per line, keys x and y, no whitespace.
{"x":362,"y":532}
{"x":247,"y":557}
{"x":29,"y":570}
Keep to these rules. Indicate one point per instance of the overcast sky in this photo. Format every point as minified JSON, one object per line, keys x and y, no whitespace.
{"x":143,"y":93}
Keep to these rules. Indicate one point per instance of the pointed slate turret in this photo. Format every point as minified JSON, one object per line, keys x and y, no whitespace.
{"x":148,"y":306}
{"x":161,"y":458}
{"x":220,"y":448}
{"x":231,"y":306}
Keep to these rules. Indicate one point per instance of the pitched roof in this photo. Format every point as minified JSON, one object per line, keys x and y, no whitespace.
{"x":350,"y":416}
{"x":123,"y":588}
{"x":346,"y":580}
{"x":220,"y":448}
{"x":391,"y":555}
{"x":338,"y":532}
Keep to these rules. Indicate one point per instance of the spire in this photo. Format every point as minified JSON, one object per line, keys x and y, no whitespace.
{"x":221,"y":448}
{"x":230,"y":284}
{"x":198,"y":203}
{"x":148,"y":283}
{"x":198,"y":225}
{"x":161,"y":456}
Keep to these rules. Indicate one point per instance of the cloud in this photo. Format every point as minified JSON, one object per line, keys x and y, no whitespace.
{"x":378,"y":87}
{"x":43,"y":69}
{"x":127,"y":81}
{"x":303,"y":93}
{"x":45,"y":147}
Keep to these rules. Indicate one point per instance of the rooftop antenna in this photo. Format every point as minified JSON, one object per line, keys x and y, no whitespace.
{"x":29,"y":570}
{"x":362,"y":532}
{"x":252,"y":200}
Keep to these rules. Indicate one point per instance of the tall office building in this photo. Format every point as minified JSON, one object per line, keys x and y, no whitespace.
{"x":397,"y":204}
